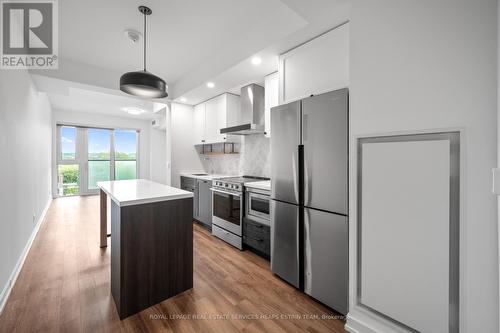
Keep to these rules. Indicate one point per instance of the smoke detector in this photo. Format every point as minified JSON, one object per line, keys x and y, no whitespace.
{"x":133,"y":35}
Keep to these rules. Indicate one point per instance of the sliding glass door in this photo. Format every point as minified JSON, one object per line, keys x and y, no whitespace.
{"x":68,"y":163}
{"x":90,"y":155}
{"x":98,"y":157}
{"x":125,"y":154}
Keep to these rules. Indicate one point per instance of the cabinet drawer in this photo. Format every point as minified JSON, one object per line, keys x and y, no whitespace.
{"x":227,"y":236}
{"x":255,"y":229}
{"x":257,"y":236}
{"x":187,"y":182}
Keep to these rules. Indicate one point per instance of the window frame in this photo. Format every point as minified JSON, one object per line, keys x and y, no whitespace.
{"x":81,"y":154}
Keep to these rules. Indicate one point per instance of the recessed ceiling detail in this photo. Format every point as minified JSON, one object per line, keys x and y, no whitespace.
{"x":76,"y":97}
{"x":213,"y":40}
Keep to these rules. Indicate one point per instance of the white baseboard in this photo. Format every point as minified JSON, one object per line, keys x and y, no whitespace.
{"x":360,"y":321}
{"x":356,"y":326}
{"x":4,"y":296}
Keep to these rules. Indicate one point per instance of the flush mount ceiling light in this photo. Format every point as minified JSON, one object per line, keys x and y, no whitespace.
{"x":133,"y":110}
{"x":183,"y":99}
{"x":210,"y":84}
{"x":143,"y":83}
{"x":256,"y":61}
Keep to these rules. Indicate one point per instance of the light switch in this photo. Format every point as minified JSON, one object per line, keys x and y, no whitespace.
{"x":496,"y":181}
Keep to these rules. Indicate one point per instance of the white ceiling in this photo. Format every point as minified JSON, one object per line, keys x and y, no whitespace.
{"x":189,"y":41}
{"x":70,"y":96}
{"x":182,"y":34}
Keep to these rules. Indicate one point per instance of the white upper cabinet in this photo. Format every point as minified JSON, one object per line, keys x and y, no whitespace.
{"x":199,"y":124}
{"x":315,"y":67}
{"x":213,"y":111}
{"x":209,"y":117}
{"x":233,"y":114}
{"x":271,"y":98}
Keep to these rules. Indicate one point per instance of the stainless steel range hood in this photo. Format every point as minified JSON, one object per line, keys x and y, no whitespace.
{"x":251,"y":118}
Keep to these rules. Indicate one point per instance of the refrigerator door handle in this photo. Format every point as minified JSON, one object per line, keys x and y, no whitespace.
{"x":295,"y":183}
{"x":307,"y":178}
{"x":304,"y":127}
{"x":307,"y":253}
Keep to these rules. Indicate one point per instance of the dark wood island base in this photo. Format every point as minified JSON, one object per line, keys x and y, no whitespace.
{"x":151,"y":242}
{"x":151,"y":253}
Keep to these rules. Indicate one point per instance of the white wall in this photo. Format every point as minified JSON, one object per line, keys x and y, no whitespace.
{"x":94,"y":119}
{"x":498,"y":130}
{"x":183,"y":156}
{"x":158,"y":158}
{"x":25,"y":147}
{"x":418,"y":65}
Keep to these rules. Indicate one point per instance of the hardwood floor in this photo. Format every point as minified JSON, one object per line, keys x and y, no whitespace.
{"x":64,"y":286}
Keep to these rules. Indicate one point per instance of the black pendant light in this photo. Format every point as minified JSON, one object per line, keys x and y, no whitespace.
{"x":143,"y":83}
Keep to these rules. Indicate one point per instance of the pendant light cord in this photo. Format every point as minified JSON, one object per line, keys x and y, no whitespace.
{"x":145,"y":41}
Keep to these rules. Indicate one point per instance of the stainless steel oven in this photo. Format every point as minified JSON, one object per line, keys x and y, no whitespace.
{"x":227,"y":210}
{"x":257,"y":205}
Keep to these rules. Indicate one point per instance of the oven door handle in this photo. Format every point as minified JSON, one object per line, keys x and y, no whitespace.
{"x":258,"y":195}
{"x":224,"y":192}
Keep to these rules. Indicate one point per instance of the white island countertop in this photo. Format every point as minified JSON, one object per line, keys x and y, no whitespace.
{"x":140,"y":191}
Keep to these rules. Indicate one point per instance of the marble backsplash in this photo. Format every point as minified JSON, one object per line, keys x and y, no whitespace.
{"x":253,"y":159}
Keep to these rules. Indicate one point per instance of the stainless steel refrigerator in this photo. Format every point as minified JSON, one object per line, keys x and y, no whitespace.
{"x":309,"y":196}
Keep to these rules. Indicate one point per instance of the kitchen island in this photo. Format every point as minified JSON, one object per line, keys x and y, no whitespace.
{"x":151,"y":242}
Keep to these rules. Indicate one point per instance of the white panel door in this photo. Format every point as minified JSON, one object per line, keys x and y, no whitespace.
{"x":405,"y":228}
{"x":199,"y":124}
{"x":318,"y":66}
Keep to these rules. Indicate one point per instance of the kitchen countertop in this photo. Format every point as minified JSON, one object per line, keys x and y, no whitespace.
{"x":205,"y":177}
{"x":140,"y":191}
{"x":261,"y":185}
